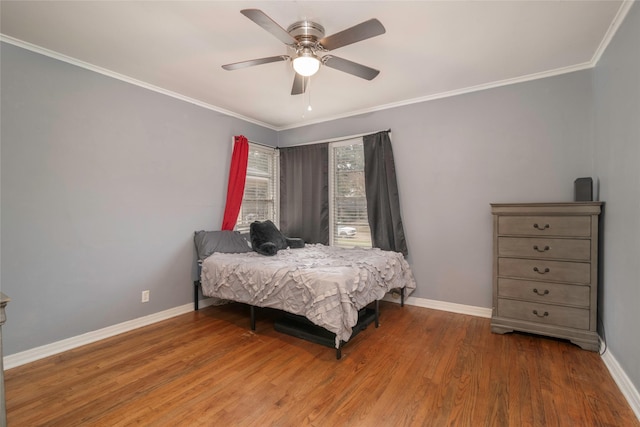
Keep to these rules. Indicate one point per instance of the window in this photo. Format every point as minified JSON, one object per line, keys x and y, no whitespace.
{"x":260,"y":199}
{"x":348,"y":220}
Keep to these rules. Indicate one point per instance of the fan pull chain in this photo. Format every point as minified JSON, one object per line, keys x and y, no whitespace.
{"x":309,"y":93}
{"x":307,"y":88}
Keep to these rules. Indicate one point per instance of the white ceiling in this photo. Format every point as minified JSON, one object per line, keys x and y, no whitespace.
{"x":431,"y":49}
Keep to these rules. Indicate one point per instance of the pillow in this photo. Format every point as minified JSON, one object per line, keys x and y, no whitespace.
{"x":225,"y":241}
{"x":266,"y":239}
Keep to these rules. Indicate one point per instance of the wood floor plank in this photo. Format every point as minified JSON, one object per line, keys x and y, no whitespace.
{"x":421,"y":367}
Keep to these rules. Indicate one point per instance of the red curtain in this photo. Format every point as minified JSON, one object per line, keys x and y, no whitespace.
{"x":237,"y":178}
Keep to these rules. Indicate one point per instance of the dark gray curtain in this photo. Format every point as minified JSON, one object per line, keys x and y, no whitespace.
{"x":381,"y":186}
{"x":304,"y":192}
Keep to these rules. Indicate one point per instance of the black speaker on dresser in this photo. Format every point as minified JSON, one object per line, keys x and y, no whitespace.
{"x":583,"y":190}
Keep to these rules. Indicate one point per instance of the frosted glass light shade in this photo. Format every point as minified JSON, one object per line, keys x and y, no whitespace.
{"x":306,"y":65}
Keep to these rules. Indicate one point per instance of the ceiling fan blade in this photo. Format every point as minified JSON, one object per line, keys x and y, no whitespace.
{"x":260,"y":18}
{"x":350,"y":67}
{"x":300,"y":84}
{"x":252,"y":62}
{"x":362,"y":31}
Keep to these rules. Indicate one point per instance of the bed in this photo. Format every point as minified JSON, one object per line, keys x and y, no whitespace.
{"x":329,"y":286}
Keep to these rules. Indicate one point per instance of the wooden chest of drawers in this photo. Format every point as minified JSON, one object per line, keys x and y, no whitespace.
{"x":545,"y":270}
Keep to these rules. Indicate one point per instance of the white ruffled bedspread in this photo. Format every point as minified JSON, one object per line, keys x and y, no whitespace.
{"x":328,"y":285}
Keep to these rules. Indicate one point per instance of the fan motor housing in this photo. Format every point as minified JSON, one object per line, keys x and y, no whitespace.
{"x":307,"y":33}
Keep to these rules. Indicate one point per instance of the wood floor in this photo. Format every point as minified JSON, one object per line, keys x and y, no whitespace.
{"x":421,"y":367}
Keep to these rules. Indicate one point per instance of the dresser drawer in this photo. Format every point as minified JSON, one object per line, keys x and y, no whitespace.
{"x":569,"y":226}
{"x":531,"y":247}
{"x":569,"y":317}
{"x":545,"y":277}
{"x":555,"y":271}
{"x":555,"y":293}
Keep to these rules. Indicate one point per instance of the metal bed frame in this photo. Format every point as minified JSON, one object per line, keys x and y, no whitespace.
{"x":301,"y":327}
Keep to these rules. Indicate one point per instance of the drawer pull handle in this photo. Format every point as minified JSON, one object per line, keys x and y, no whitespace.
{"x":538,"y":227}
{"x":536,"y":291}
{"x":537,"y":270}
{"x":546,"y":313}
{"x":546,"y":248}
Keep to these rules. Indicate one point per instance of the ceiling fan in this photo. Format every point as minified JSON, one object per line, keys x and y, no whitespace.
{"x":309,"y":46}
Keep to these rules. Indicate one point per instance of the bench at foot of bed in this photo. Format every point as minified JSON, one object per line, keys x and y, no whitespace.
{"x":301,"y":327}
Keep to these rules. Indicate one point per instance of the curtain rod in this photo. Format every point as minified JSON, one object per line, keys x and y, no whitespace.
{"x":337,"y":139}
{"x":233,"y":141}
{"x":262,"y":145}
{"x":340,"y":138}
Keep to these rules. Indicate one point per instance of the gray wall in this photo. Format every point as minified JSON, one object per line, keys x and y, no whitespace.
{"x":617,"y":163}
{"x":103,"y":184}
{"x":521,"y":143}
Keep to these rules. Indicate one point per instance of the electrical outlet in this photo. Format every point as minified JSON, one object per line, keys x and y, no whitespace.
{"x":145,"y":296}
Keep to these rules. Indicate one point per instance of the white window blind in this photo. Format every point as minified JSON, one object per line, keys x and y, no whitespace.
{"x":260,"y":200}
{"x":347,"y":197}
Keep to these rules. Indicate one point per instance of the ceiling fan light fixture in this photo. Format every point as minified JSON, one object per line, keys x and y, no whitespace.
{"x":305,"y":40}
{"x":306,"y":63}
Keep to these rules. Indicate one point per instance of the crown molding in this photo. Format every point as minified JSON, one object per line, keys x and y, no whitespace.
{"x":449,"y":94}
{"x":73,"y":61}
{"x":611,"y":31}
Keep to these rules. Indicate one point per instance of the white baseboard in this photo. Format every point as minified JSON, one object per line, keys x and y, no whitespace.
{"x":619,"y":376}
{"x":443,"y":306}
{"x":14,"y":360}
{"x":622,"y":380}
{"x":18,"y":359}
{"x":31,"y":355}
{"x":47,"y":350}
